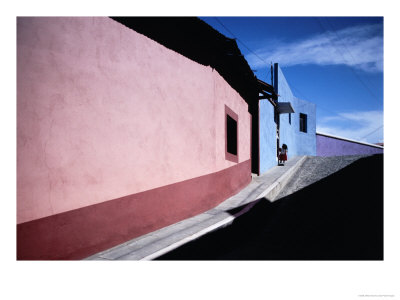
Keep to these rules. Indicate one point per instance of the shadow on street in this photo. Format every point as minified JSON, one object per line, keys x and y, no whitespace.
{"x":337,"y":218}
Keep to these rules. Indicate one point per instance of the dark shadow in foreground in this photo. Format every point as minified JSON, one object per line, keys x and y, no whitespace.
{"x":337,"y":218}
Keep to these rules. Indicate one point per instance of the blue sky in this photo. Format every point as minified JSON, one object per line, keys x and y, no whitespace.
{"x":334,"y":62}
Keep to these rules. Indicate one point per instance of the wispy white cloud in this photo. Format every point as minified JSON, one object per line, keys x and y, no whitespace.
{"x":359,"y":47}
{"x":365,"y":126}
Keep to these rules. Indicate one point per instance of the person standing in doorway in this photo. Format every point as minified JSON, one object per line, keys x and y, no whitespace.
{"x":283,"y":155}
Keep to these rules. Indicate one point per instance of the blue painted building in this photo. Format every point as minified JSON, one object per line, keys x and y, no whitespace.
{"x":288,"y":120}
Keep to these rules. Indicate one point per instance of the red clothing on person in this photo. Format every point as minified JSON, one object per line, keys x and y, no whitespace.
{"x":283,"y":155}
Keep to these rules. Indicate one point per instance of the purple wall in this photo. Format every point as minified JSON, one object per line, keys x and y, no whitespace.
{"x":331,"y":146}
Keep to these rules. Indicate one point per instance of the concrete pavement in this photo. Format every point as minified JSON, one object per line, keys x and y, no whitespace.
{"x":157,"y":243}
{"x":338,"y":217}
{"x":316,"y":168}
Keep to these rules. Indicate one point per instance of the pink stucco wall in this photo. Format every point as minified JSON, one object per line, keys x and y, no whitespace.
{"x":104,"y":112}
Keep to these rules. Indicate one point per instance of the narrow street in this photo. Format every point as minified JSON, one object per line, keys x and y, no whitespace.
{"x":332,"y":209}
{"x":316,"y":168}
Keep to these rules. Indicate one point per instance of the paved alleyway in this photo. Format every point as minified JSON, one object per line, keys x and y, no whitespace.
{"x":316,"y":168}
{"x":332,"y":209}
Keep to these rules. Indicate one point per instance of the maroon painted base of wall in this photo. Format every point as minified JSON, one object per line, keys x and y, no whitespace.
{"x":82,"y":232}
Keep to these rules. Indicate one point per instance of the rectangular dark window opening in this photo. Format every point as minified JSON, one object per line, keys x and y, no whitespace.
{"x":303,"y":122}
{"x":231,"y":135}
{"x":290,"y":119}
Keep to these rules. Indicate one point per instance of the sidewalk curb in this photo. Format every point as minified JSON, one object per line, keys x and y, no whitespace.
{"x":271,"y":192}
{"x":190,"y":238}
{"x":274,"y":189}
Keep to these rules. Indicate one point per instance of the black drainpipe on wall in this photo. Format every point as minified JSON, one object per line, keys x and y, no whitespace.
{"x":276,"y":114}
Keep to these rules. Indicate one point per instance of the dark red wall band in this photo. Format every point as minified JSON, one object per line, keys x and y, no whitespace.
{"x":82,"y":232}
